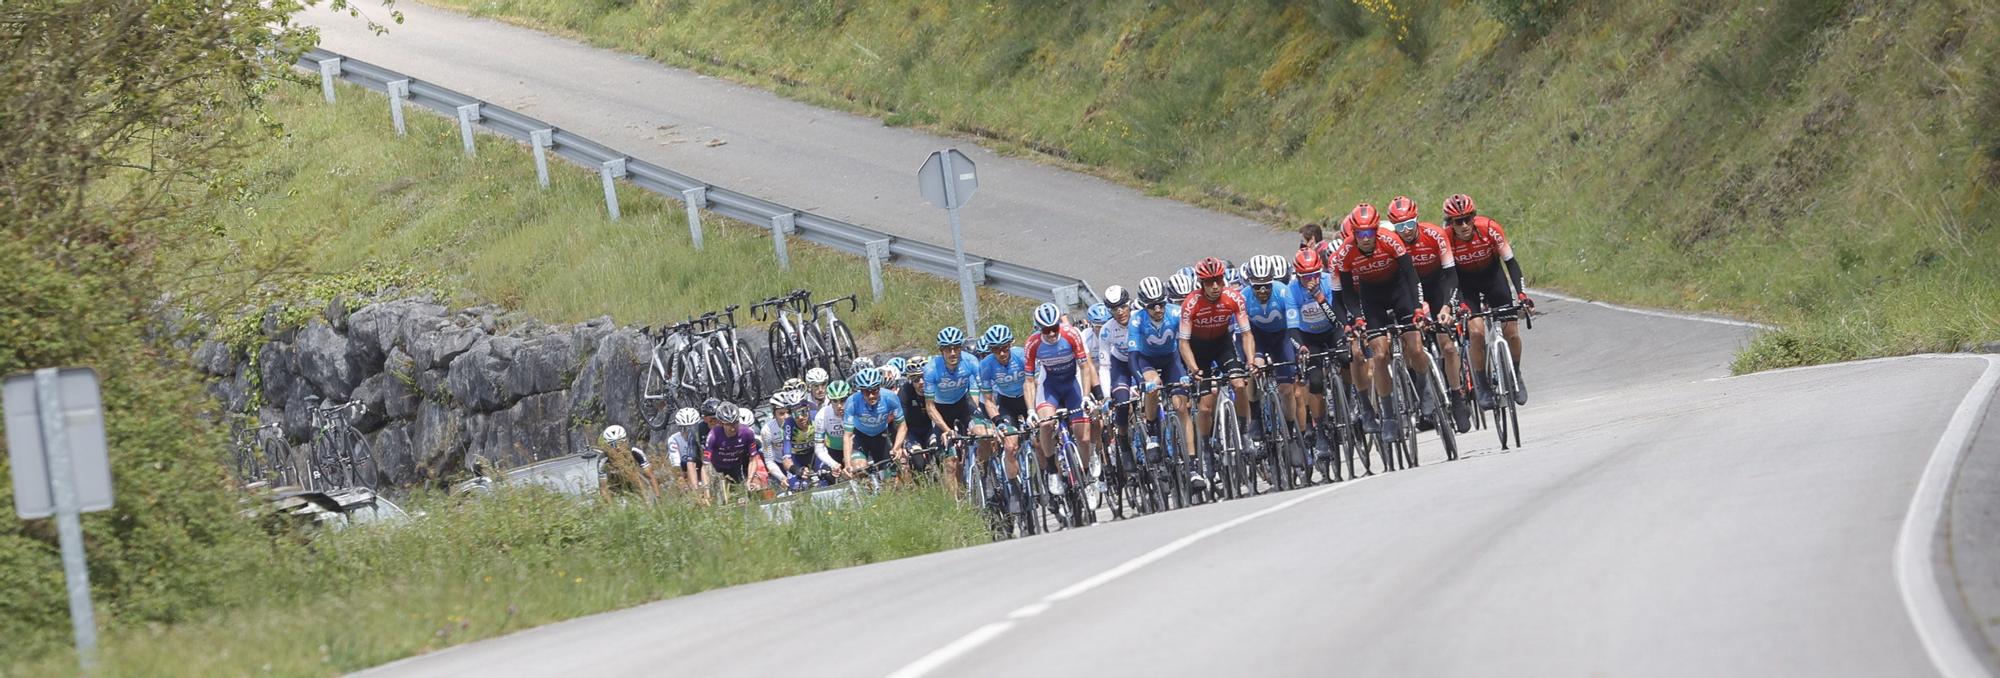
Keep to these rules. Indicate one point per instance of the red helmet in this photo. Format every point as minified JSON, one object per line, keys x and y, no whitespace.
{"x":1364,"y":216}
{"x":1210,"y":269}
{"x":1307,"y":262}
{"x":1459,"y":206}
{"x":1402,"y":209}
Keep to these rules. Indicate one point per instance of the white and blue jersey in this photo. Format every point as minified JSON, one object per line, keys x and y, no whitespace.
{"x":873,"y":421}
{"x":1313,"y":316}
{"x":1005,"y":380}
{"x":947,"y":385}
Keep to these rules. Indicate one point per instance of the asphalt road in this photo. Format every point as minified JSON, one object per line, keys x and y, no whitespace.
{"x":1661,"y":520}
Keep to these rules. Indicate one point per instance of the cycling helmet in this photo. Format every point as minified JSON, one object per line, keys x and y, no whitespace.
{"x":838,"y":390}
{"x":1307,"y":262}
{"x":1402,"y":209}
{"x":749,"y":416}
{"x":687,"y":417}
{"x":951,"y":336}
{"x":1115,"y":296}
{"x":1047,"y":315}
{"x":1459,"y":206}
{"x":816,"y":376}
{"x":710,"y":406}
{"x":861,"y":363}
{"x":791,"y":399}
{"x":1187,"y":271}
{"x":999,"y":334}
{"x":777,"y":400}
{"x":1261,"y":270}
{"x":1182,"y":284}
{"x":979,"y":345}
{"x":614,"y":433}
{"x":1210,"y":269}
{"x":794,"y":384}
{"x":1364,"y":216}
{"x":892,"y":376}
{"x":1151,"y":291}
{"x":728,"y":414}
{"x":868,"y":378}
{"x":1098,"y":314}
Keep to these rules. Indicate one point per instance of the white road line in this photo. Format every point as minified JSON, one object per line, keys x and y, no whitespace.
{"x":984,"y":634}
{"x":1916,"y":570}
{"x":1651,"y":312}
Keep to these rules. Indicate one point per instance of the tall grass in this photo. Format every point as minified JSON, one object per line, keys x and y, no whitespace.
{"x":485,"y":567}
{"x":1828,"y":167}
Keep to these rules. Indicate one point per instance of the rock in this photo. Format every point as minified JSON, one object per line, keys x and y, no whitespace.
{"x":394,"y":454}
{"x":541,"y":365}
{"x":431,"y":386}
{"x":235,"y":391}
{"x":323,"y":360}
{"x":276,"y":365}
{"x":486,"y":317}
{"x":592,"y":331}
{"x":336,"y":313}
{"x":477,"y":376}
{"x":399,"y":393}
{"x":1990,"y":347}
{"x":296,"y":415}
{"x":372,"y":330}
{"x":606,"y":390}
{"x":371,"y":394}
{"x":214,"y":358}
{"x":437,"y":439}
{"x":535,"y":428}
{"x":434,"y":348}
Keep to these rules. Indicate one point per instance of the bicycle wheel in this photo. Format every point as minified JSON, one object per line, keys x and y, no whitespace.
{"x":778,"y":344}
{"x":1497,"y":384}
{"x":365,"y":472}
{"x":1174,"y":456}
{"x":656,"y":398}
{"x":815,"y":348}
{"x":1447,"y":426}
{"x":752,"y":376}
{"x":844,"y":349}
{"x":1511,"y":377}
{"x":1230,"y":437}
{"x":1410,"y":408}
{"x":1277,"y":442}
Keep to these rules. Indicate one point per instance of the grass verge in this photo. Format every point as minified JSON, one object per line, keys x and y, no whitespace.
{"x":518,"y":559}
{"x":1830,"y":168}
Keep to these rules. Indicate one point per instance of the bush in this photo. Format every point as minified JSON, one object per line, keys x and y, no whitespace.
{"x":1534,"y":17}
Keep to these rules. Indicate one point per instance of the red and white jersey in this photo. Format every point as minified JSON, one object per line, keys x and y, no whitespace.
{"x":1431,"y":252}
{"x":1488,"y":245}
{"x":1204,"y":319}
{"x":1058,"y":357}
{"x":1373,"y":268}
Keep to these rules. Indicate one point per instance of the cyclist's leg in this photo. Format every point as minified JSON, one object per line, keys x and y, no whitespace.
{"x":1512,"y":331}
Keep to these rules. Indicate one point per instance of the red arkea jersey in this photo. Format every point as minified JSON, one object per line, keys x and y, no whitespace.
{"x":1370,"y":269}
{"x":1432,"y":250}
{"x":1487,"y":246}
{"x":1204,"y":319}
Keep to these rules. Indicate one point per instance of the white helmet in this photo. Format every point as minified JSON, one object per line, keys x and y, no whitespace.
{"x":816,"y":377}
{"x":614,"y":433}
{"x":793,"y":384}
{"x":687,"y":417}
{"x":747,"y":416}
{"x":862,"y":363}
{"x":1151,"y":290}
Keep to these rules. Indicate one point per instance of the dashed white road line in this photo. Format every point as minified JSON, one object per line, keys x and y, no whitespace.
{"x":971,"y":641}
{"x":1916,"y":569}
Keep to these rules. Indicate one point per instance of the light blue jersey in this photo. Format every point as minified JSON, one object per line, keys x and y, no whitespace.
{"x":1155,"y":338}
{"x":947,"y":386}
{"x":1005,"y":379}
{"x":1277,"y":315}
{"x":873,"y":420}
{"x":1313,"y":318}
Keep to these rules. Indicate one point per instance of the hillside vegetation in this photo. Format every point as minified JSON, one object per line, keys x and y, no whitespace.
{"x":1832,"y":167}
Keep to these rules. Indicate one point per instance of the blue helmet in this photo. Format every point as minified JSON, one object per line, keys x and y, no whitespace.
{"x":999,"y":334}
{"x":868,"y":378}
{"x":1098,"y":314}
{"x":951,"y":336}
{"x":1187,"y":271}
{"x":1048,"y":315}
{"x":896,"y":362}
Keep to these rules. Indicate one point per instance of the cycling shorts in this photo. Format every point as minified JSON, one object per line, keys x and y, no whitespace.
{"x":1063,"y":393}
{"x":1320,"y":343}
{"x":1435,"y":295}
{"x":1216,"y":356}
{"x":1122,"y":379}
{"x":957,"y":416}
{"x":1387,"y":304}
{"x":1486,"y":289}
{"x":1276,"y":347}
{"x":735,"y":473}
{"x":872,"y":448}
{"x":1168,"y":366}
{"x":1012,"y":409}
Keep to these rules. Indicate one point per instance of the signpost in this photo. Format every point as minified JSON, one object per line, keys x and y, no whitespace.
{"x":948,"y":180}
{"x":55,"y":442}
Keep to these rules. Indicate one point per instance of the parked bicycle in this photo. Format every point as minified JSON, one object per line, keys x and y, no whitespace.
{"x":340,"y":454}
{"x":262,"y":454}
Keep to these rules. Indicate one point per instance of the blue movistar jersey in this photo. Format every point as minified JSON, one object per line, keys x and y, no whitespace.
{"x":873,"y":420}
{"x":1313,"y":318}
{"x":1005,"y":379}
{"x":946,"y":385}
{"x":1155,"y":338}
{"x":1277,"y":315}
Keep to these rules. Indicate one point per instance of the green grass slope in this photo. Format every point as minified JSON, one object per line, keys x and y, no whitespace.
{"x":1830,"y":167}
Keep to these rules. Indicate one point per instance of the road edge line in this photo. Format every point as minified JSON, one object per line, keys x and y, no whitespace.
{"x":1657,"y":314}
{"x":1916,"y":568}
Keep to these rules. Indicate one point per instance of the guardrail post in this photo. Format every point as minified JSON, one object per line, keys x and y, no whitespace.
{"x":976,"y":270}
{"x":1064,"y":296}
{"x":612,"y":169}
{"x":780,"y":225}
{"x":328,"y":69}
{"x":878,"y":252}
{"x":467,"y":115}
{"x":695,"y":198}
{"x":398,"y":91}
{"x":542,"y":139}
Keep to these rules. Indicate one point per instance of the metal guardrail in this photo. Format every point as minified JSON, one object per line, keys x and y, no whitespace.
{"x":1004,"y":276}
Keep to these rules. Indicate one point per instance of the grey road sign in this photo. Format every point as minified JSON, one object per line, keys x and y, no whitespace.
{"x":948,"y":179}
{"x":55,"y":441}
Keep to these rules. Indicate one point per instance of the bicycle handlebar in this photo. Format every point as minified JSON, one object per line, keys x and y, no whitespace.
{"x":852,"y":304}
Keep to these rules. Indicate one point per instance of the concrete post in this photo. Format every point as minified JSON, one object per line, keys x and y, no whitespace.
{"x":878,"y":253}
{"x":542,"y":140}
{"x":613,"y":169}
{"x":695,"y":198}
{"x":467,"y":115}
{"x":780,"y":225}
{"x":398,"y":91}
{"x":328,"y":70}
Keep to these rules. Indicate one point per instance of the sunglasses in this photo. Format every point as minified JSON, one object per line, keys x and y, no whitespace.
{"x":1156,"y":304}
{"x":1455,"y":221}
{"x":1405,"y":226}
{"x":1364,"y":233}
{"x":1260,"y":287}
{"x":872,"y":391}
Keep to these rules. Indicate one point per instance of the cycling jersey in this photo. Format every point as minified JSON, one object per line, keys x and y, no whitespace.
{"x":1431,"y":251}
{"x":1379,"y":286}
{"x":1057,"y":358}
{"x":680,"y":450}
{"x":1202,"y":319}
{"x":1113,"y":343}
{"x":1005,"y":379}
{"x":828,"y":424}
{"x":1155,"y":338}
{"x":947,"y":385}
{"x":1487,"y":246}
{"x":916,"y":423}
{"x":731,"y":452}
{"x":1370,"y":268}
{"x":1276,"y":315}
{"x":873,"y":420}
{"x":1313,"y":315}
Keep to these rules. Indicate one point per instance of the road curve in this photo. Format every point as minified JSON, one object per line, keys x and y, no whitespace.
{"x":1662,"y":519}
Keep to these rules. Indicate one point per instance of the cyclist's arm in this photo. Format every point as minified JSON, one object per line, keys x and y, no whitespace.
{"x":1450,"y":283}
{"x":1406,"y":270}
{"x":902,"y":430}
{"x":1087,"y":367}
{"x":1348,"y":290}
{"x":1514,"y":274}
{"x":937,"y":418}
{"x":1245,"y":335}
{"x":1187,"y":343}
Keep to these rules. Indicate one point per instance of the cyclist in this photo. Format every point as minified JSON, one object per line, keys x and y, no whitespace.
{"x":1312,"y":236}
{"x":1320,"y":331}
{"x":816,"y":388}
{"x":1003,"y":376}
{"x":731,"y":446}
{"x":682,"y":451}
{"x":788,"y":436}
{"x":953,"y":383}
{"x":828,"y":446}
{"x":1437,"y":278}
{"x":1480,"y":243}
{"x":1214,"y":325}
{"x":1274,"y":327}
{"x":625,"y":466}
{"x":1154,"y":345}
{"x":910,"y":392}
{"x":1114,"y":355}
{"x":875,"y":426}
{"x":1377,"y":282}
{"x":1095,"y":318}
{"x":1182,"y":286}
{"x":1056,"y":349}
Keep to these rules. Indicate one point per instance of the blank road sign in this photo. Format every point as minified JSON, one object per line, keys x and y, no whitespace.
{"x":965,"y":179}
{"x":83,"y":420}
